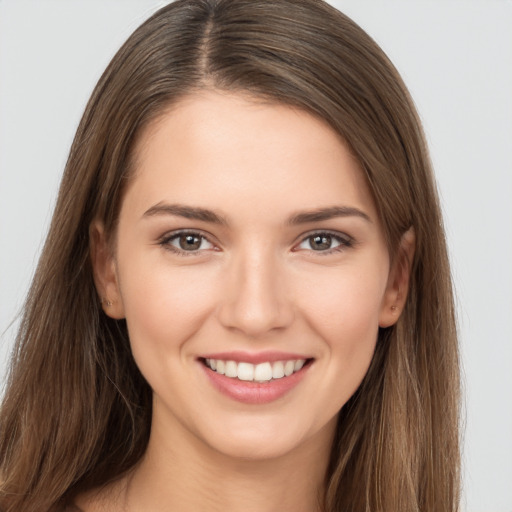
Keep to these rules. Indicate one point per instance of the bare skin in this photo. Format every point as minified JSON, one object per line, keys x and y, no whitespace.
{"x":188,"y":481}
{"x":261,"y":274}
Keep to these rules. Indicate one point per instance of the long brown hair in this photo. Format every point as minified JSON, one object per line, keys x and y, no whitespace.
{"x":77,"y":412}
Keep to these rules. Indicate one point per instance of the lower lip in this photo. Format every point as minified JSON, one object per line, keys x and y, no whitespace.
{"x":254,"y":392}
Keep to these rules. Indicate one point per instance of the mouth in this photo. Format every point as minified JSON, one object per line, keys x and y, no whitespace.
{"x":263,"y":380}
{"x":263,"y":372}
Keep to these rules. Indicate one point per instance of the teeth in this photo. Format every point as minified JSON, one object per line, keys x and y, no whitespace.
{"x":288,"y":368}
{"x":262,"y":372}
{"x":278,"y":370}
{"x":245,"y":371}
{"x":231,"y":369}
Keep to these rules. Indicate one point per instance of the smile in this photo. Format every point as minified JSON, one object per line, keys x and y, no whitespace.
{"x":262,"y":372}
{"x":255,"y":378}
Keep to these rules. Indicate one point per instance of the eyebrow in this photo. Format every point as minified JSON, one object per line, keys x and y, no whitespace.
{"x":205,"y":215}
{"x":331,"y":212}
{"x":188,"y":212}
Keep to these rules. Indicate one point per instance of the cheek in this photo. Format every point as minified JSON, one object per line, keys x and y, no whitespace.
{"x":164,"y":306}
{"x":350,"y":298}
{"x":344,"y":313}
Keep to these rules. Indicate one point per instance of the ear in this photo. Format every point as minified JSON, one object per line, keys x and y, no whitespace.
{"x":398,"y":281}
{"x":104,"y":271}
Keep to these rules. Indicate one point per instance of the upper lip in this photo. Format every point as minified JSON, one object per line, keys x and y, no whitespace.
{"x":255,"y":357}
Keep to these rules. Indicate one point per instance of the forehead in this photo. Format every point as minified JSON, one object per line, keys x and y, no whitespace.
{"x":220,"y":148}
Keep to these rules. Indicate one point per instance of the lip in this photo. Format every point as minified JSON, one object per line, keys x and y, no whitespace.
{"x":255,"y":392}
{"x":240,"y":356}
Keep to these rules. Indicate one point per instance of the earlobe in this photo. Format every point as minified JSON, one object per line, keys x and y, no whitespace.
{"x":104,"y":271}
{"x":398,"y":283}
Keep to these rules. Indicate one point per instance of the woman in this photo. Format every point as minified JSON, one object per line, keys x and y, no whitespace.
{"x":244,"y":299}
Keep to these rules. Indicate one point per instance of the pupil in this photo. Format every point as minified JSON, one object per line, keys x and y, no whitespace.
{"x":321,"y":242}
{"x":190,"y":242}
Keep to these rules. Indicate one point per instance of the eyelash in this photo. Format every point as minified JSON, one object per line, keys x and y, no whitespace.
{"x":344,"y":241}
{"x":166,"y":240}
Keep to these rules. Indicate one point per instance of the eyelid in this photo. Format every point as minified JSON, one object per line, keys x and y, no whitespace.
{"x":345,"y":241}
{"x":166,"y":238}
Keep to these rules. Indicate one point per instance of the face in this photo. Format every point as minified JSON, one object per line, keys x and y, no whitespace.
{"x":252,"y":271}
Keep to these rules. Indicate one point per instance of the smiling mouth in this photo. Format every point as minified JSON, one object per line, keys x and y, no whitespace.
{"x":260,"y":373}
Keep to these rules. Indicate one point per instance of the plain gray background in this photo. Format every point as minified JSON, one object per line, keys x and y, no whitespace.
{"x":455,"y":56}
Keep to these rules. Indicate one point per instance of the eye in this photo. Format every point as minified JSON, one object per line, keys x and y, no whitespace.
{"x":186,"y":242}
{"x":325,"y":242}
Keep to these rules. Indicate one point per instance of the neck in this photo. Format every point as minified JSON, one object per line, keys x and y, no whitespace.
{"x":185,"y":474}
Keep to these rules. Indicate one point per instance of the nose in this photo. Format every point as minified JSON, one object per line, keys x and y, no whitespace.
{"x":254,"y":297}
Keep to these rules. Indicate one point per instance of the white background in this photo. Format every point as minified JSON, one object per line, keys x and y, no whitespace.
{"x":455,"y":56}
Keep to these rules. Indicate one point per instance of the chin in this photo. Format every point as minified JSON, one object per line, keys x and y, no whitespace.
{"x":268,"y":441}
{"x":255,"y":448}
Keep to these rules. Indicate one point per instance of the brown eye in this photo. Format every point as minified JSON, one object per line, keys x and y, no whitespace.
{"x":186,"y":242}
{"x":320,"y":242}
{"x":325,"y":242}
{"x":189,"y":242}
